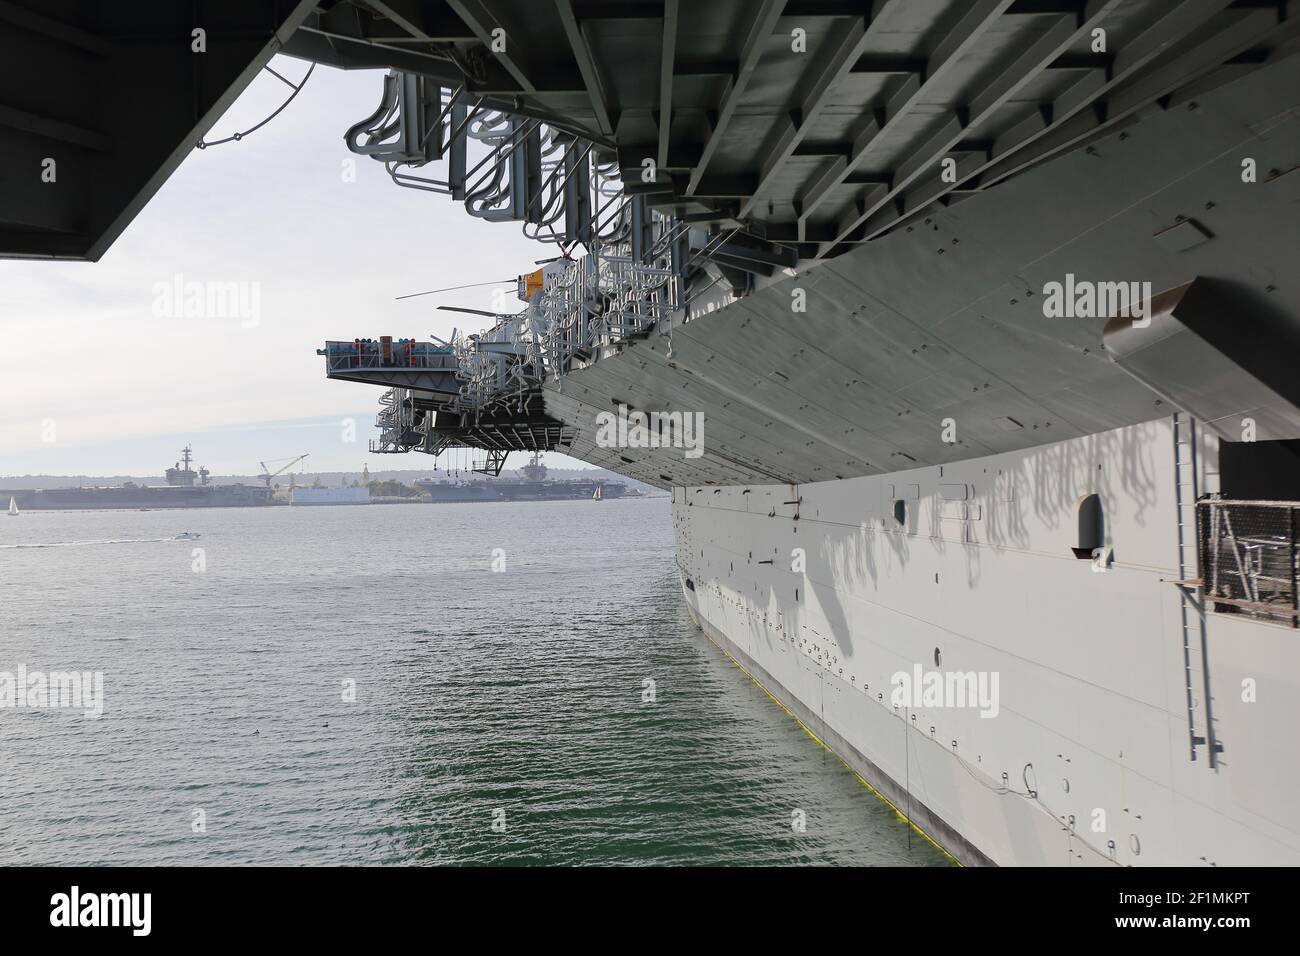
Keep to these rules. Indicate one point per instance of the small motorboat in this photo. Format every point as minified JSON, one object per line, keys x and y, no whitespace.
{"x":187,"y":536}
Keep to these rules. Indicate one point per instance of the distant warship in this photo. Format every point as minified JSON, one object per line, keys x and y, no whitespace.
{"x":185,"y":488}
{"x":533,"y":487}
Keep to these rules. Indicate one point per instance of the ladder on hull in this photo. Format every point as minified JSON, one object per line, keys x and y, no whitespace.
{"x":1186,"y":488}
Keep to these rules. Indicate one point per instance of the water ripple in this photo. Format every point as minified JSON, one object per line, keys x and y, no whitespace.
{"x":497,"y":717}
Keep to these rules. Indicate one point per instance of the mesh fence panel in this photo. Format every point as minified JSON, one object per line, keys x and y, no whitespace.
{"x":1248,"y":556}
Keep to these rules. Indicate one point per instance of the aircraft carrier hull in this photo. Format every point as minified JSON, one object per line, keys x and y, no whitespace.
{"x":1085,"y":757}
{"x":82,"y":499}
{"x":483,"y":491}
{"x":898,"y":478}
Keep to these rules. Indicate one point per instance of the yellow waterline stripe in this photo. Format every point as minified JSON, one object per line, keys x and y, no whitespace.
{"x":902,"y":817}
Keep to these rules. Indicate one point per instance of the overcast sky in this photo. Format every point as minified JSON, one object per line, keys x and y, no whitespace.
{"x":92,"y":382}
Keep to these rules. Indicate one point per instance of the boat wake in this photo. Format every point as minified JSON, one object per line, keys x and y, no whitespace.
{"x":84,"y":544}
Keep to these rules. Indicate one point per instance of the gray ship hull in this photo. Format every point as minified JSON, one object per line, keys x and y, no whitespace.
{"x":485,"y":491}
{"x":833,"y":538}
{"x":1092,"y":754}
{"x":80,"y":499}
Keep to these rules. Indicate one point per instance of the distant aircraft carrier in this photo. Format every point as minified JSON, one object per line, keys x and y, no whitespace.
{"x":532,"y":486}
{"x":185,"y":488}
{"x":964,"y":334}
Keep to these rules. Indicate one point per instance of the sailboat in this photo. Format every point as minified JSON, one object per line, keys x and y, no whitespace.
{"x":596,"y":495}
{"x":13,"y":507}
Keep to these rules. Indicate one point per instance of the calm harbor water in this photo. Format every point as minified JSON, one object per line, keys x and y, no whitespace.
{"x":498,"y":716}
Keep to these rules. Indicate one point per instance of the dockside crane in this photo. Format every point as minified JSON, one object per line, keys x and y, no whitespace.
{"x":267,"y":474}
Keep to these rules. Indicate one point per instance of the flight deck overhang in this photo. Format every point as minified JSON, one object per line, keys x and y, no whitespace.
{"x":807,"y":127}
{"x":947,"y":323}
{"x":101,"y":101}
{"x":916,"y":330}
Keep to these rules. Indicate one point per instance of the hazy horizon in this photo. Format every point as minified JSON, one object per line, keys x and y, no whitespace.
{"x":96,"y":383}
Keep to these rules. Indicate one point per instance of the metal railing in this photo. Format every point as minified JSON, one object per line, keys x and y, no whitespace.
{"x":1250,"y":558}
{"x":378,"y":353}
{"x":624,"y":267}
